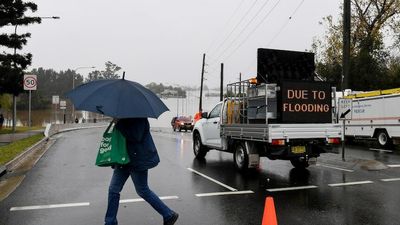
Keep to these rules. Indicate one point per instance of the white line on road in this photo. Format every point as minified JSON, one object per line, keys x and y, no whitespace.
{"x":50,"y":206}
{"x":394,"y":166}
{"x":225,"y":193}
{"x":334,"y":167}
{"x":351,"y":183}
{"x":142,"y":200}
{"x":292,"y":188}
{"x":390,"y":179}
{"x":380,"y":150}
{"x":211,"y":179}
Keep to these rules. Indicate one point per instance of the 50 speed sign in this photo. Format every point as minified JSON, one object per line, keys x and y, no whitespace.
{"x":30,"y":82}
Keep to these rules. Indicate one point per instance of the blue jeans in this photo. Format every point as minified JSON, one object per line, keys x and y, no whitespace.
{"x":139,"y":179}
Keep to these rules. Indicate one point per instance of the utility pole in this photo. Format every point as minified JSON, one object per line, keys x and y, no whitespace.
{"x":221,"y":94}
{"x":346,"y":43}
{"x":346,"y":58}
{"x":240,"y":84}
{"x":201,"y":85}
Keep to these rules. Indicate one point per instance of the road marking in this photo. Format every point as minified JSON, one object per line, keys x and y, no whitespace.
{"x":351,"y":183}
{"x":394,"y":166}
{"x":225,"y":193}
{"x":49,"y":206}
{"x":142,"y":200}
{"x":292,"y":188}
{"x":380,"y":150}
{"x":333,"y":167}
{"x":211,"y":179}
{"x":390,"y":179}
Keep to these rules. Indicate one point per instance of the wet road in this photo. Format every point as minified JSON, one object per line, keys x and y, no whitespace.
{"x":66,"y":188}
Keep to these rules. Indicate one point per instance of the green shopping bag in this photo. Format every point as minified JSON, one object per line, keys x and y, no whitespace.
{"x":112,"y":150}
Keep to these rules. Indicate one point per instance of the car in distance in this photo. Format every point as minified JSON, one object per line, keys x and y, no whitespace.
{"x":182,"y":123}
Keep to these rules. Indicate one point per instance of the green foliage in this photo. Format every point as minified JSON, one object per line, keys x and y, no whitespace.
{"x":5,"y":102}
{"x":10,"y":151}
{"x":50,"y":83}
{"x":166,"y":91}
{"x":12,"y":66}
{"x":110,"y":72}
{"x":371,"y":64}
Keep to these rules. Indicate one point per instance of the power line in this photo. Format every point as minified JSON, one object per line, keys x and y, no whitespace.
{"x":248,"y":36}
{"x":286,"y":23}
{"x":246,"y":26}
{"x":226,"y":24}
{"x":279,"y":32}
{"x":229,"y":35}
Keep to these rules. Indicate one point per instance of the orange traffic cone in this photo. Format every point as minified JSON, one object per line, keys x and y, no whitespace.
{"x":269,"y":217}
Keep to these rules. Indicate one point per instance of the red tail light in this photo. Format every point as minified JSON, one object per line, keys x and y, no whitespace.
{"x":278,"y":142}
{"x":333,"y":140}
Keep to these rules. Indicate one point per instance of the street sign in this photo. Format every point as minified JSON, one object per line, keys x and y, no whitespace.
{"x":63,"y":104}
{"x":345,"y":109}
{"x":30,"y":82}
{"x":55,"y":99}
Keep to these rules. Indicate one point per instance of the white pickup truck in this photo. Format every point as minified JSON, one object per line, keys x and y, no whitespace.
{"x":292,"y":121}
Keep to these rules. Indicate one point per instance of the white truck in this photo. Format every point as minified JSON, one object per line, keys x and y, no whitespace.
{"x":292,"y":121}
{"x":375,"y":114}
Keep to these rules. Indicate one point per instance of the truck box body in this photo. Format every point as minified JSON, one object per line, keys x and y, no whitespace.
{"x":374,"y":115}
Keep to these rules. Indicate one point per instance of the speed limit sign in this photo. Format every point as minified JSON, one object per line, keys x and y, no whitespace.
{"x":30,"y":82}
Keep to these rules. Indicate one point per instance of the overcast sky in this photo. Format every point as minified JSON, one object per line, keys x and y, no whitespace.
{"x":163,"y":40}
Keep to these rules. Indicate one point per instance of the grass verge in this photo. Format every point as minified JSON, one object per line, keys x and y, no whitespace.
{"x":10,"y":151}
{"x":8,"y":130}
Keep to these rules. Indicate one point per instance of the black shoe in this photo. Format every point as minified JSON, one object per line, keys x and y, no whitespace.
{"x":172,"y":220}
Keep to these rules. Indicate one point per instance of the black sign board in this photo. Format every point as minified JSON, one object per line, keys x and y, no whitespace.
{"x":276,"y":65}
{"x":305,"y":102}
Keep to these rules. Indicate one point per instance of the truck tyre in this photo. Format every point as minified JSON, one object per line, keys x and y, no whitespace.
{"x":240,"y":157}
{"x":199,"y":149}
{"x":383,"y":138}
{"x":299,"y":163}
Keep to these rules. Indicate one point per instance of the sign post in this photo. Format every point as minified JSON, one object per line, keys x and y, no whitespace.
{"x":345,"y":112}
{"x":30,"y":83}
{"x":63,"y":106}
{"x":55,"y":101}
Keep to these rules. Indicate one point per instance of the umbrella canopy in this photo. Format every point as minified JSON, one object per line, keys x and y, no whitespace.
{"x":117,"y":98}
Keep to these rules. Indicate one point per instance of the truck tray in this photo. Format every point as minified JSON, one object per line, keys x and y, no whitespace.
{"x":268,"y":132}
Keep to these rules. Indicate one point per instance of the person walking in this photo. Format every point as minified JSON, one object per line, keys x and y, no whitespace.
{"x":143,"y":156}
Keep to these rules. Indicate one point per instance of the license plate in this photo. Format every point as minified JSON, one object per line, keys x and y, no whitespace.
{"x":298,"y":149}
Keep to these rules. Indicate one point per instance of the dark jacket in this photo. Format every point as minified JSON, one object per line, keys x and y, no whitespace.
{"x":139,"y":143}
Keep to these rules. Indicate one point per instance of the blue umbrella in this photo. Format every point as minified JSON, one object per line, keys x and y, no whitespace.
{"x":117,"y":98}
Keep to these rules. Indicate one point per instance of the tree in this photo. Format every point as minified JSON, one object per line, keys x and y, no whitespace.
{"x":110,"y":72}
{"x":373,"y":22}
{"x":12,"y":66}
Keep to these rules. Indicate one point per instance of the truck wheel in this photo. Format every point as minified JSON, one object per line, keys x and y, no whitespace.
{"x":299,"y":163}
{"x":240,"y":157}
{"x":383,"y":138}
{"x":199,"y":149}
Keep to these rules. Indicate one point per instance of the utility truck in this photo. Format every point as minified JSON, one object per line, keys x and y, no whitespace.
{"x":282,"y":114}
{"x":375,"y":114}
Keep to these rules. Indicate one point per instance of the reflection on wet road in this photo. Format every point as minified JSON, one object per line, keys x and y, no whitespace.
{"x":210,"y":191}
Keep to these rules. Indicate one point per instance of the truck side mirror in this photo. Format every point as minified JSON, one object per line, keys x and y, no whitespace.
{"x":204,"y":115}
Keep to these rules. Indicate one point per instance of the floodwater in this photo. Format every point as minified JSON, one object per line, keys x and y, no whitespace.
{"x":178,"y":106}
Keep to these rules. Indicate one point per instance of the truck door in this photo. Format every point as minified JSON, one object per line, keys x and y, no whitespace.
{"x":212,"y":127}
